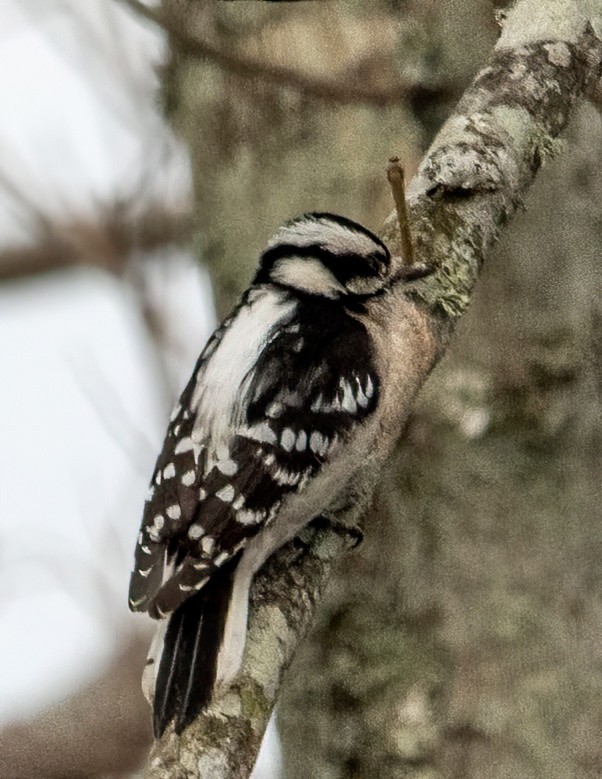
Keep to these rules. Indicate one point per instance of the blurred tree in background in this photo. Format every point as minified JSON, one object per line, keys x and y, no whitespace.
{"x":461,"y":639}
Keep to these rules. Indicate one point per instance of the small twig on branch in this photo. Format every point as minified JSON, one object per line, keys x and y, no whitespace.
{"x":246,"y":67}
{"x":408,"y":270}
{"x":397,"y":181}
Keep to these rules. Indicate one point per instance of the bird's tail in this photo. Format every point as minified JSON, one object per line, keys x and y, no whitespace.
{"x":188,"y":662}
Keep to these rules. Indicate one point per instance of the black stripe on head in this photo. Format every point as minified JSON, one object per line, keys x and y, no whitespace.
{"x":344,"y":265}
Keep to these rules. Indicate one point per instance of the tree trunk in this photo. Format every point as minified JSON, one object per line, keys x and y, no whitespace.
{"x":463,"y":640}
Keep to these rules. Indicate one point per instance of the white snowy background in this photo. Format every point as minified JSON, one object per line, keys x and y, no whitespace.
{"x":82,"y":405}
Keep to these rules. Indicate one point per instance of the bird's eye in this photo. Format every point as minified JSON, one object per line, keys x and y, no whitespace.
{"x":376,"y":264}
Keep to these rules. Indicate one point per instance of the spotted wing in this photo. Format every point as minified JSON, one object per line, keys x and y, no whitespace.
{"x":172,"y":497}
{"x":313,"y":383}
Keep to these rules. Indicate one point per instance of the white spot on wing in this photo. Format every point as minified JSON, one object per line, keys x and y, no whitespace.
{"x":195,"y":531}
{"x":227,"y":467}
{"x":238,"y":503}
{"x":318,"y":443}
{"x":301,"y":443}
{"x":184,"y":445}
{"x":207,"y":544}
{"x":362,"y":400}
{"x":274,"y":409}
{"x":174,"y":511}
{"x":169,"y":471}
{"x":287,"y":439}
{"x":248,"y":517}
{"x":188,"y":478}
{"x":261,"y":432}
{"x":221,"y":558}
{"x":226,"y":494}
{"x":282,"y":477}
{"x":348,"y":403}
{"x":154,"y":529}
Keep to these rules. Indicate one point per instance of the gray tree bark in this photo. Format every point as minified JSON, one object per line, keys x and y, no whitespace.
{"x":462,"y":640}
{"x":473,"y":177}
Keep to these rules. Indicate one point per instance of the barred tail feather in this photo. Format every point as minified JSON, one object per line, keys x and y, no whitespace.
{"x":186,"y":676}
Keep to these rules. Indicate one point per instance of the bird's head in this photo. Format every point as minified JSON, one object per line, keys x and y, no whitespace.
{"x":325,"y":254}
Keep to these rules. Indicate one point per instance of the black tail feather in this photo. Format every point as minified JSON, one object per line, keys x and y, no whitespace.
{"x":188,"y":664}
{"x":169,"y":683}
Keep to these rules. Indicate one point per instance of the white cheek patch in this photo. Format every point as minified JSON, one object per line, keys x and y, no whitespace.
{"x":306,"y":274}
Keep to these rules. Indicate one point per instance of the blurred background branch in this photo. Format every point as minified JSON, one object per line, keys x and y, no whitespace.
{"x":108,"y":243}
{"x":348,"y":90}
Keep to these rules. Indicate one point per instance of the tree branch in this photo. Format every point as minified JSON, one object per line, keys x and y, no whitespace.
{"x":252,"y":68}
{"x":476,"y":173}
{"x":107,"y":242}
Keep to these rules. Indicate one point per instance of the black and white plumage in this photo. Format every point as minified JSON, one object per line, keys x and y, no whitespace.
{"x":267,"y":435}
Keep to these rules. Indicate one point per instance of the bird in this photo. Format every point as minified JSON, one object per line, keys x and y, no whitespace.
{"x":279,"y":417}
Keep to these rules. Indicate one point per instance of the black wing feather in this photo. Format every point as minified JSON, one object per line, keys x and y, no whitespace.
{"x":313,"y":382}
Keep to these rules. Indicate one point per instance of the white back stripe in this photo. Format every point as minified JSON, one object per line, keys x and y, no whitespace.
{"x":219,"y":395}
